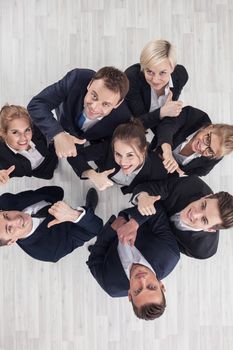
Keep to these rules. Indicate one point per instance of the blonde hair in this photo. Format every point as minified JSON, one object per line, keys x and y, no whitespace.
{"x":9,"y":113}
{"x":155,"y":52}
{"x":225,"y":132}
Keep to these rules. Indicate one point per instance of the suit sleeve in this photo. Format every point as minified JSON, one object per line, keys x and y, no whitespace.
{"x":99,"y":252}
{"x":41,"y":106}
{"x":208,"y":165}
{"x":96,"y":153}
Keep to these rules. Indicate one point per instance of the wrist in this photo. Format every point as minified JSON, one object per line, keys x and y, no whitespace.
{"x":134,"y":223}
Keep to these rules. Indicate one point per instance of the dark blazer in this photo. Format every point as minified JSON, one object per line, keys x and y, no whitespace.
{"x":154,"y":240}
{"x":102,"y":155}
{"x":51,"y":244}
{"x":23,"y":166}
{"x":67,"y":95}
{"x":176,"y":194}
{"x":139,"y":95}
{"x":176,"y":131}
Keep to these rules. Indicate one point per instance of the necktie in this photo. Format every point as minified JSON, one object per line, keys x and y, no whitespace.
{"x":42,"y":213}
{"x":80,"y":120}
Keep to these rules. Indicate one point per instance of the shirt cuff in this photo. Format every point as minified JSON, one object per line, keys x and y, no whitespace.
{"x":83,"y":212}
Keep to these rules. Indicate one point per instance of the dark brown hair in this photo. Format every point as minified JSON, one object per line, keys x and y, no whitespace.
{"x":225,"y":206}
{"x":114,"y":79}
{"x":150,"y":311}
{"x":131,"y":133}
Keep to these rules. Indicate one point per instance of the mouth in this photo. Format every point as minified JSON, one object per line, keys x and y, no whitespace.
{"x":140,"y":274}
{"x":126,"y":168}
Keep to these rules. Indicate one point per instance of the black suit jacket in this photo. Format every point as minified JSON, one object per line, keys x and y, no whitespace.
{"x":176,"y":194}
{"x":177,"y":130}
{"x":102,"y":155}
{"x":67,"y":95}
{"x":139,"y":95}
{"x":51,"y":244}
{"x":154,"y":240}
{"x":23,"y":166}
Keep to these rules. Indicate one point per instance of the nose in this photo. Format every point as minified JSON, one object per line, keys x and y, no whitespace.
{"x":197,"y":215}
{"x":96,"y":106}
{"x":155,"y":78}
{"x":22,"y":137}
{"x":16,"y":221}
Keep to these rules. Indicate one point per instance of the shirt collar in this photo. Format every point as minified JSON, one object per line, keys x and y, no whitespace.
{"x":32,"y":145}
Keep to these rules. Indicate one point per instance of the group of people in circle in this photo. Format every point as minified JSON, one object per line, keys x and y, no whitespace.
{"x":104,"y":117}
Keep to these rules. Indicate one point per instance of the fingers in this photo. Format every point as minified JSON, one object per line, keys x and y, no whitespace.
{"x":53,"y":222}
{"x":4,"y":178}
{"x":180,"y":172}
{"x":169,"y":96}
{"x":64,"y":153}
{"x":147,"y":210}
{"x":170,"y":165}
{"x":10,"y":169}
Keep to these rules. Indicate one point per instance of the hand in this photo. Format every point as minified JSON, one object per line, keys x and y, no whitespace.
{"x":118,"y":222}
{"x":170,"y":164}
{"x":62,"y":212}
{"x":171,"y":108}
{"x":65,"y":145}
{"x":127,"y":233}
{"x":146,"y":203}
{"x":101,"y":180}
{"x":4,"y":174}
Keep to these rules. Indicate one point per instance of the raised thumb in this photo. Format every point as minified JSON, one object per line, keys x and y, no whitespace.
{"x":110,"y":171}
{"x":79,"y":141}
{"x":169,"y":96}
{"x":9,"y":170}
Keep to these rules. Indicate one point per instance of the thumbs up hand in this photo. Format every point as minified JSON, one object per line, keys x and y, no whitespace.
{"x":4,"y":174}
{"x":101,"y":180}
{"x":65,"y":145}
{"x":171,"y":108}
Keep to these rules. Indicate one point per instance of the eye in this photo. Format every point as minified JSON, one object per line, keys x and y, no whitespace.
{"x":151,"y":287}
{"x":28,"y":130}
{"x":105,"y":104}
{"x":204,"y":220}
{"x":130,"y":155}
{"x":117,"y":154}
{"x":163,"y":73}
{"x":137,"y":291}
{"x":149,"y":72}
{"x":94,"y":96}
{"x":14,"y":132}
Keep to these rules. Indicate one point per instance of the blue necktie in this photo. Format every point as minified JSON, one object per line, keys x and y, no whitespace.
{"x":80,"y":120}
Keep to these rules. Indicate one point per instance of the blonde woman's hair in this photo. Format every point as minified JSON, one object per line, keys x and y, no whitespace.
{"x":9,"y":113}
{"x":155,"y":52}
{"x":225,"y":132}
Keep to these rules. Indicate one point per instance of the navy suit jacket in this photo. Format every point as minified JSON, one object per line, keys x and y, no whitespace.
{"x":176,"y":194}
{"x":23,"y":166}
{"x":67,"y":95}
{"x":139,"y":95}
{"x":101,"y":153}
{"x":51,"y":244}
{"x":154,"y":240}
{"x":175,"y":131}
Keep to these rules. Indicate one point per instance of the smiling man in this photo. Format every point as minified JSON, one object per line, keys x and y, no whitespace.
{"x":136,"y":270}
{"x":88,"y":105}
{"x":47,"y":234}
{"x":196,"y":214}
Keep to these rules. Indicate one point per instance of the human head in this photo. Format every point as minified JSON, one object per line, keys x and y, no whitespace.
{"x":129,"y":145}
{"x":219,"y":137}
{"x":15,"y":127}
{"x":209,"y":213}
{"x":105,"y":92}
{"x":146,"y":293}
{"x":13,"y":226}
{"x":158,"y":60}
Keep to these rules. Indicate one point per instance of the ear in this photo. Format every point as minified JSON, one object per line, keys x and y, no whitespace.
{"x":129,"y":296}
{"x":162,"y":287}
{"x":11,"y":241}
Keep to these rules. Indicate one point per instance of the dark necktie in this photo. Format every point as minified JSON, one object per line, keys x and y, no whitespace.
{"x":41,"y":213}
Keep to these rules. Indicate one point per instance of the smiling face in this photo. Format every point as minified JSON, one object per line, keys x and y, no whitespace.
{"x":18,"y":134}
{"x":207,"y":143}
{"x":128,"y":156}
{"x":202,"y":214}
{"x":144,"y":286}
{"x":99,"y":100}
{"x":158,"y":76}
{"x":14,"y":225}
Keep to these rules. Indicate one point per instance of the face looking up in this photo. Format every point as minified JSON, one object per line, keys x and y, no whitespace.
{"x":158,"y":76}
{"x":202,"y":214}
{"x":14,"y":225}
{"x":19,"y":134}
{"x":144,"y":286}
{"x":128,"y":156}
{"x":99,"y":100}
{"x":207,"y":143}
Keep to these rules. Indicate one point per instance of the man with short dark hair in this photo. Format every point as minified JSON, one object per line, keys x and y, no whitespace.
{"x":196,"y":214}
{"x":47,"y":234}
{"x":88,"y":105}
{"x":136,"y":270}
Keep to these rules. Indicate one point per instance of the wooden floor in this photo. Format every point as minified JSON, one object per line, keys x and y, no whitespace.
{"x":60,"y":306}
